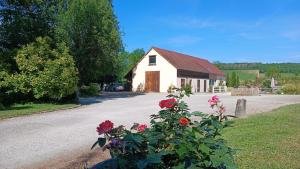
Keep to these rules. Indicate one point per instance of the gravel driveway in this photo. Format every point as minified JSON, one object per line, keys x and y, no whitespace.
{"x":31,"y":140}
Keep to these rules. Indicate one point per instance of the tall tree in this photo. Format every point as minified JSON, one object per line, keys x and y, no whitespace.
{"x":127,"y":60}
{"x":21,"y":22}
{"x":91,"y":31}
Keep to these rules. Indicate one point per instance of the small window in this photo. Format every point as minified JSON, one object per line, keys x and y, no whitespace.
{"x":182,"y":83}
{"x":152,"y":60}
{"x":212,"y":82}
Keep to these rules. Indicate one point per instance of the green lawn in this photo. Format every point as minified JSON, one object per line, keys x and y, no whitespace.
{"x":243,"y":74}
{"x":267,"y":141}
{"x":31,"y":108}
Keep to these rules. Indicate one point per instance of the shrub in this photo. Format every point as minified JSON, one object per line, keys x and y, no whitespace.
{"x":266,"y":83}
{"x":47,"y":70}
{"x":173,"y":140}
{"x":92,"y":90}
{"x":290,"y":89}
{"x":187,"y":88}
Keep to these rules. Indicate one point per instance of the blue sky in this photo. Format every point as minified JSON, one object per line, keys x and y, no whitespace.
{"x":218,"y":30}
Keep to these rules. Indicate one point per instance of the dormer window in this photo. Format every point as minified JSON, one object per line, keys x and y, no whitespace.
{"x":152,"y":60}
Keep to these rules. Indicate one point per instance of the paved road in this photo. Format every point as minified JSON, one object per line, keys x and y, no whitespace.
{"x":25,"y":141}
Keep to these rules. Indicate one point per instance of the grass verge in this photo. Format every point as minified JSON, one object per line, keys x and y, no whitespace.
{"x":31,"y":108}
{"x":269,"y":140}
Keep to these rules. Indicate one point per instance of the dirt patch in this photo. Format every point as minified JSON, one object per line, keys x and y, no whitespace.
{"x":79,"y":160}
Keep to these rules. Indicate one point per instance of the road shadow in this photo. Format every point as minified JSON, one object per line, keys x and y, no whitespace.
{"x":104,"y":96}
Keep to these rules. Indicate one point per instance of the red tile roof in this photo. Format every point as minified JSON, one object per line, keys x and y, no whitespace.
{"x":187,"y":62}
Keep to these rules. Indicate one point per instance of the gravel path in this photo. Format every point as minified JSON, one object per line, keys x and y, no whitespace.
{"x":27,"y":141}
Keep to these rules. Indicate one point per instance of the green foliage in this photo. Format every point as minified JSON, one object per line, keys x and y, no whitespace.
{"x":187,"y":88}
{"x":266,"y":83}
{"x":243,"y":74}
{"x":92,"y":90}
{"x":17,"y":110}
{"x":21,"y":22}
{"x":228,"y":80}
{"x":273,"y":72}
{"x":233,"y":80}
{"x":262,"y":67}
{"x":127,"y":60}
{"x":91,"y":31}
{"x":291,"y":89}
{"x":45,"y":71}
{"x":174,"y":139}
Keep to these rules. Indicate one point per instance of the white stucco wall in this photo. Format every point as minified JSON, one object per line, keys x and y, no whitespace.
{"x":168,"y":73}
{"x":194,"y":83}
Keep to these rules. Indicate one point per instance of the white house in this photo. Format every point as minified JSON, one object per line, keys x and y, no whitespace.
{"x":159,"y":69}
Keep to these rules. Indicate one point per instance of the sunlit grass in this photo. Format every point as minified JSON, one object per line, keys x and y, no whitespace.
{"x":31,"y":108}
{"x":267,"y":141}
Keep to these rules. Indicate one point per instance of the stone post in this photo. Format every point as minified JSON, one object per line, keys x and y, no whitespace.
{"x":240,"y":109}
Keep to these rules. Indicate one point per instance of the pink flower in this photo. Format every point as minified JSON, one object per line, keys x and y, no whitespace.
{"x":215,"y":98}
{"x":213,"y":101}
{"x":141,"y":127}
{"x":105,"y":127}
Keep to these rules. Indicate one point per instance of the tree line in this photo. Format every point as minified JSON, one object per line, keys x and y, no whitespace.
{"x":262,"y":67}
{"x":49,"y":47}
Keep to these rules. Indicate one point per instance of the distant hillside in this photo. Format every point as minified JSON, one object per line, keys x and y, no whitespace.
{"x":262,"y":67}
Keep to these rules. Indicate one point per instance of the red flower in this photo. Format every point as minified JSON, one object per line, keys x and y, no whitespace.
{"x":141,"y":127}
{"x":183,"y":121}
{"x":105,"y":127}
{"x":168,"y":103}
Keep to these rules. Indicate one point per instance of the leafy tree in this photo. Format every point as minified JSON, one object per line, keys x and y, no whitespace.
{"x":237,"y":84}
{"x":127,"y":60}
{"x":233,"y":80}
{"x":90,"y":29}
{"x":273,"y":72}
{"x":21,"y":22}
{"x":47,"y":70}
{"x":228,"y":80}
{"x":135,"y":56}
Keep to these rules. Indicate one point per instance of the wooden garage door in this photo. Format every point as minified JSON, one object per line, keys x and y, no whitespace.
{"x":152,"y":81}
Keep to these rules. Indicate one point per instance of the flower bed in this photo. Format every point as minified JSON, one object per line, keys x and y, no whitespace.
{"x":173,"y":140}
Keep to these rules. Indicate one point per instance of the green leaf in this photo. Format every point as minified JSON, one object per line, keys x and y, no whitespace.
{"x":197,"y":113}
{"x":181,"y":151}
{"x":94,"y":144}
{"x":203,"y":148}
{"x":154,"y":158}
{"x":122,"y":163}
{"x":182,"y":105}
{"x":141,"y":164}
{"x":101,"y":141}
{"x":180,"y":166}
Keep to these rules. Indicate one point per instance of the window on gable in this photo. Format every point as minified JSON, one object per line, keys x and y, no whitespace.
{"x":152,"y":60}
